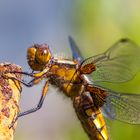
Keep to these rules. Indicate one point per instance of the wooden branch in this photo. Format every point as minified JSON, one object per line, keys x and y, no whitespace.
{"x":9,"y":100}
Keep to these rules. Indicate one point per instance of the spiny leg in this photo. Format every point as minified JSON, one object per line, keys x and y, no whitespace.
{"x":21,"y":72}
{"x":37,"y":77}
{"x":39,"y":105}
{"x":29,"y":84}
{"x":39,"y":74}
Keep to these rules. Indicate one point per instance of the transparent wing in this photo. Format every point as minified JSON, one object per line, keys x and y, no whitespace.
{"x":119,"y":63}
{"x":123,"y":107}
{"x":76,"y":54}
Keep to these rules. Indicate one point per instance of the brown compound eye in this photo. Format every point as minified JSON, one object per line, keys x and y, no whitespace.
{"x":38,"y":56}
{"x":43,"y":54}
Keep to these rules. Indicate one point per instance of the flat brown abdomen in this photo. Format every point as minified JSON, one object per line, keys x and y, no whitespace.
{"x":91,"y":118}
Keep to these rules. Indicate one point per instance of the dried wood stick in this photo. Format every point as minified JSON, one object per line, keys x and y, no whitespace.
{"x":9,"y":100}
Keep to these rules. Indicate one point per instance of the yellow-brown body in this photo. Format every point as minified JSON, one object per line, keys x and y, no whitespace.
{"x":70,"y":78}
{"x":91,"y":117}
{"x":62,"y":77}
{"x":86,"y":108}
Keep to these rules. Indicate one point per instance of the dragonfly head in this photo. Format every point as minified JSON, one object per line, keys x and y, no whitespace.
{"x":38,"y":56}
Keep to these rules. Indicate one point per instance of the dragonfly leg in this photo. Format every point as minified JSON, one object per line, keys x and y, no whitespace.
{"x":37,"y":77}
{"x":39,"y":105}
{"x":21,"y":72}
{"x":39,"y":74}
{"x":29,"y":84}
{"x":34,"y":81}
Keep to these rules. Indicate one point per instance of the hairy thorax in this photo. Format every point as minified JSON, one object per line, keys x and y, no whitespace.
{"x":66,"y":77}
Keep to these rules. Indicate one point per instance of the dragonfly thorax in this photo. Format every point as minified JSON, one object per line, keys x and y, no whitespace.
{"x":38,"y":56}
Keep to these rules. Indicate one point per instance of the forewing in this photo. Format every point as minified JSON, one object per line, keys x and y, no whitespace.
{"x":123,"y":107}
{"x":76,"y":54}
{"x":119,"y":63}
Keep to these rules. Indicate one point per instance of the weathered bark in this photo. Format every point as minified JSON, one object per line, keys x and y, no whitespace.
{"x":9,"y":100}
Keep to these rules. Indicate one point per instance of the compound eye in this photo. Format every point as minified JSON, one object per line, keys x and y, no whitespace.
{"x":43,"y":54}
{"x":38,"y":56}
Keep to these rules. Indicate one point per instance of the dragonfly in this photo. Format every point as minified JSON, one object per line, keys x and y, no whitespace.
{"x":80,"y":79}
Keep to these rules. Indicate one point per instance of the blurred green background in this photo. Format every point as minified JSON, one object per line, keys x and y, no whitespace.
{"x":98,"y":25}
{"x":95,"y":25}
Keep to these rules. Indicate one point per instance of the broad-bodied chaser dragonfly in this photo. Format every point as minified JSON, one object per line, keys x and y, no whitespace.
{"x":80,"y":80}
